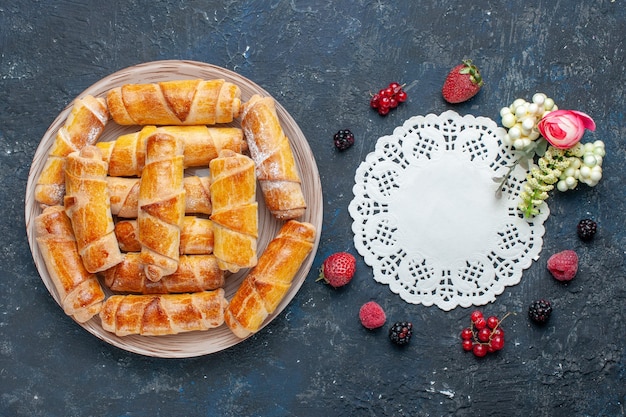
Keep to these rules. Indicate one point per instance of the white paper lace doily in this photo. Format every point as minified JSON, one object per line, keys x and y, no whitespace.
{"x":427,"y":219}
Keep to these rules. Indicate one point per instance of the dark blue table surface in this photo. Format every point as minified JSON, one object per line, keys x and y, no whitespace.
{"x":321,"y":60}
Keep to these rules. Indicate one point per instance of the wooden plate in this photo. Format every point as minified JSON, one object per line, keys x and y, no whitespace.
{"x":193,"y":343}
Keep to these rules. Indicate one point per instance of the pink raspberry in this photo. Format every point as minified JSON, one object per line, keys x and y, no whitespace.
{"x":372,"y":315}
{"x":563,"y":265}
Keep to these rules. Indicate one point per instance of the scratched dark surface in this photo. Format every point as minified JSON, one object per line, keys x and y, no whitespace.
{"x":321,"y":59}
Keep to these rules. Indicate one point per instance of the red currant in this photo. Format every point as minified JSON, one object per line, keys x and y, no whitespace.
{"x":375,"y":101}
{"x":395,"y":87}
{"x":388,"y":98}
{"x":484,"y":334}
{"x":492,"y":322}
{"x":479,"y":350}
{"x":477,"y":314}
{"x":467,"y":334}
{"x":497,"y":342}
{"x":481,"y":323}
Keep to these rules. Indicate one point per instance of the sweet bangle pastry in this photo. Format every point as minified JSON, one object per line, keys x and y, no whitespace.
{"x":79,"y":291}
{"x":196,"y":236}
{"x":275,"y":164}
{"x":124,"y":194}
{"x":87,"y":204}
{"x":129,"y":215}
{"x":83,"y":127}
{"x":235,"y":211}
{"x":126,"y":154}
{"x":178,"y":102}
{"x":161,"y":205}
{"x":268,"y":282}
{"x":163,"y":314}
{"x":195,"y":273}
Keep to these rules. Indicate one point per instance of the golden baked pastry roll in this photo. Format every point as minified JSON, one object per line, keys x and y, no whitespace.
{"x":195,"y":273}
{"x":163,"y":314}
{"x":79,"y":291}
{"x":124,"y":193}
{"x":235,"y":211}
{"x":127,"y":234}
{"x":84,"y":125}
{"x":272,"y":154}
{"x":126,"y":155}
{"x":177,"y":102}
{"x":161,"y":206}
{"x":196,"y":236}
{"x":267,"y":283}
{"x":87,"y":204}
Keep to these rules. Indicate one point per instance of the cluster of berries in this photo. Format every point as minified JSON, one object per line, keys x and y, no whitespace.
{"x":373,"y":316}
{"x":563,"y":266}
{"x":485,"y":335}
{"x":337,"y":270}
{"x":388,"y":98}
{"x":461,"y":84}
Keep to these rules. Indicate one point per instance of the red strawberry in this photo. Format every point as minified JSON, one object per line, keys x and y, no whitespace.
{"x":563,"y":265}
{"x":338,"y":269}
{"x":462,"y":83}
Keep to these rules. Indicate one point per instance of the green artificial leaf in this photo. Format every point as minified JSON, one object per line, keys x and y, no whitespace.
{"x":503,"y":180}
{"x":541,"y":147}
{"x":524,"y":163}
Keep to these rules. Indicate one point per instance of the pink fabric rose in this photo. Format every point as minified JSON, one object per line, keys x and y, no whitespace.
{"x":564,"y":128}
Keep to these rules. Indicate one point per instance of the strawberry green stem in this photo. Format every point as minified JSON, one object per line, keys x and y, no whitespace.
{"x":473,"y":72}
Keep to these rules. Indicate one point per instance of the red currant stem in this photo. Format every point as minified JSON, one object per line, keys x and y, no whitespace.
{"x":475,"y":334}
{"x":399,"y":88}
{"x":500,"y":321}
{"x":498,"y":325}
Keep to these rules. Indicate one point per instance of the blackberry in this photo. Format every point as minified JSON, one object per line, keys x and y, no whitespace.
{"x":343,"y":139}
{"x":586,"y":229}
{"x":539,"y":311}
{"x":400,"y":333}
